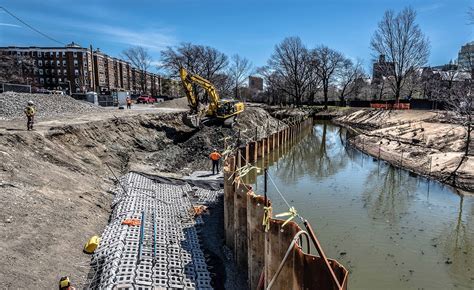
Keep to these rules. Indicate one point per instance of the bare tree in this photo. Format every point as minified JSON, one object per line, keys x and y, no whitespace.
{"x":349,"y":77}
{"x":205,"y":61}
{"x":460,"y":99}
{"x":240,"y":69}
{"x":401,"y":40}
{"x":141,"y":59}
{"x":288,"y":69}
{"x":327,"y":63}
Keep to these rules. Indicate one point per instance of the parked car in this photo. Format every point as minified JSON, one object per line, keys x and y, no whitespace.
{"x":146,"y":100}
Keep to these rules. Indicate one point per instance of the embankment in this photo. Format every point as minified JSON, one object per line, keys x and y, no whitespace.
{"x":429,"y":143}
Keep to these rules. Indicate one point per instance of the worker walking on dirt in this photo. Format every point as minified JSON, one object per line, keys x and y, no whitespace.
{"x":30,"y":112}
{"x":129,"y":103}
{"x":215,"y":157}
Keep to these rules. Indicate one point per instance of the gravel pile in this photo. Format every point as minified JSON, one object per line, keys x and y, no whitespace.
{"x":12,"y":105}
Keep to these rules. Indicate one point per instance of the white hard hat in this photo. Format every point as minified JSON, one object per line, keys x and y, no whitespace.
{"x":30,"y":103}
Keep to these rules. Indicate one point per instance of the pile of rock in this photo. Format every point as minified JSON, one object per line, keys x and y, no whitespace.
{"x":12,"y":105}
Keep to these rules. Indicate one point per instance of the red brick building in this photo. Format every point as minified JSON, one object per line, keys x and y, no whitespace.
{"x":76,"y":69}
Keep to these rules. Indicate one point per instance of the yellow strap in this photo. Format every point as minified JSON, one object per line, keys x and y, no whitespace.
{"x":291,"y":213}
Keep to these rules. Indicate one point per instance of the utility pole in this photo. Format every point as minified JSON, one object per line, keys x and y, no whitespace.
{"x":93,"y":69}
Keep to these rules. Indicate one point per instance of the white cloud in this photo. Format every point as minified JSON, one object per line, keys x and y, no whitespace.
{"x":153,"y":39}
{"x":9,"y":25}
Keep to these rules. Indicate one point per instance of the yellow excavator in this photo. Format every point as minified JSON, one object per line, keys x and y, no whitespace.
{"x":225,"y":110}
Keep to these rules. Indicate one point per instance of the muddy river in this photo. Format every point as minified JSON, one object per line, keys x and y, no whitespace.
{"x":390,"y":228}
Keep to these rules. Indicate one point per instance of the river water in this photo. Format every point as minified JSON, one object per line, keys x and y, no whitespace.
{"x":390,"y":228}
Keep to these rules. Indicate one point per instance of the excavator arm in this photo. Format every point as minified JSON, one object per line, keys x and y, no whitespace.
{"x":188,"y":79}
{"x":225,"y":110}
{"x":188,"y":89}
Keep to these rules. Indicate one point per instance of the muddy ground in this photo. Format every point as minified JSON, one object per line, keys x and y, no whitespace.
{"x":54,"y":181}
{"x":429,"y":143}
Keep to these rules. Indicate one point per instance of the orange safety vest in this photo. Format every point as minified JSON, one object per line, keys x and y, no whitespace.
{"x":215,"y":156}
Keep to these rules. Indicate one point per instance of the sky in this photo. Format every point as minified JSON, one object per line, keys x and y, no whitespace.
{"x":250,"y":28}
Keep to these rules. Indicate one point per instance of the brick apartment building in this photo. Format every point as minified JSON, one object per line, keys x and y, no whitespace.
{"x":76,"y":69}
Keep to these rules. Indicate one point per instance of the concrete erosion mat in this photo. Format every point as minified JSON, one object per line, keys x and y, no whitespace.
{"x":164,"y":250}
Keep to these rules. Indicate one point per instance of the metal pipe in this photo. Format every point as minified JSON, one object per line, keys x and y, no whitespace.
{"x":142,"y":232}
{"x":321,"y":253}
{"x":280,"y":267}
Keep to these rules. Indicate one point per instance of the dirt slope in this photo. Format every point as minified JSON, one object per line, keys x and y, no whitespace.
{"x":54,"y":181}
{"x":427,"y":142}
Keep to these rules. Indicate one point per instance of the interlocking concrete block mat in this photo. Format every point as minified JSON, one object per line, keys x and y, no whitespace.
{"x":163,"y":251}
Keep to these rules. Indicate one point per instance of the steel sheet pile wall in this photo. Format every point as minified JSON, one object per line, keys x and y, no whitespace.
{"x":165,"y":252}
{"x":260,"y":252}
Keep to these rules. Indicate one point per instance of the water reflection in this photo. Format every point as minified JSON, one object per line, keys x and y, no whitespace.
{"x":457,"y":242}
{"x":395,"y":230}
{"x":387,"y":194}
{"x":317,"y":155}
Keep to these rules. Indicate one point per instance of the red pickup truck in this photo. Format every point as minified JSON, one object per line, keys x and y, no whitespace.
{"x":146,"y":100}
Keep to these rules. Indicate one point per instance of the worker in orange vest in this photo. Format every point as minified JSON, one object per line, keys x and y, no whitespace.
{"x":215,"y":156}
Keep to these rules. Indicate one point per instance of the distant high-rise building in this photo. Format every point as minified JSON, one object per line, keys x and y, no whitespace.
{"x":255,"y":83}
{"x":466,"y":56}
{"x":382,"y":68}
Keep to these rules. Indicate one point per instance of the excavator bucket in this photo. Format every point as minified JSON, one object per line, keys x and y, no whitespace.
{"x":192,"y":120}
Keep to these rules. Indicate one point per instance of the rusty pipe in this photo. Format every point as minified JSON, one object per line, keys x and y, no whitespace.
{"x":321,"y":253}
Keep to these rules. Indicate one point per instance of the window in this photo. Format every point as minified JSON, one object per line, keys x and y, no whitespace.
{"x":47,"y":71}
{"x":76,"y":72}
{"x":40,"y":63}
{"x":65,"y":72}
{"x":60,"y":79}
{"x":54,"y":80}
{"x":75,"y":54}
{"x":40,"y":71}
{"x":64,"y":63}
{"x":59,"y":72}
{"x":41,"y":80}
{"x":34,"y":53}
{"x":57,"y":53}
{"x":75,"y":62}
{"x":58,"y":63}
{"x":64,"y":54}
{"x":40,"y":54}
{"x":76,"y":81}
{"x":48,"y":80}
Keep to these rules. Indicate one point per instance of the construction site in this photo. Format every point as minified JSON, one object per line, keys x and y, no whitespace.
{"x":187,"y":145}
{"x":88,"y":171}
